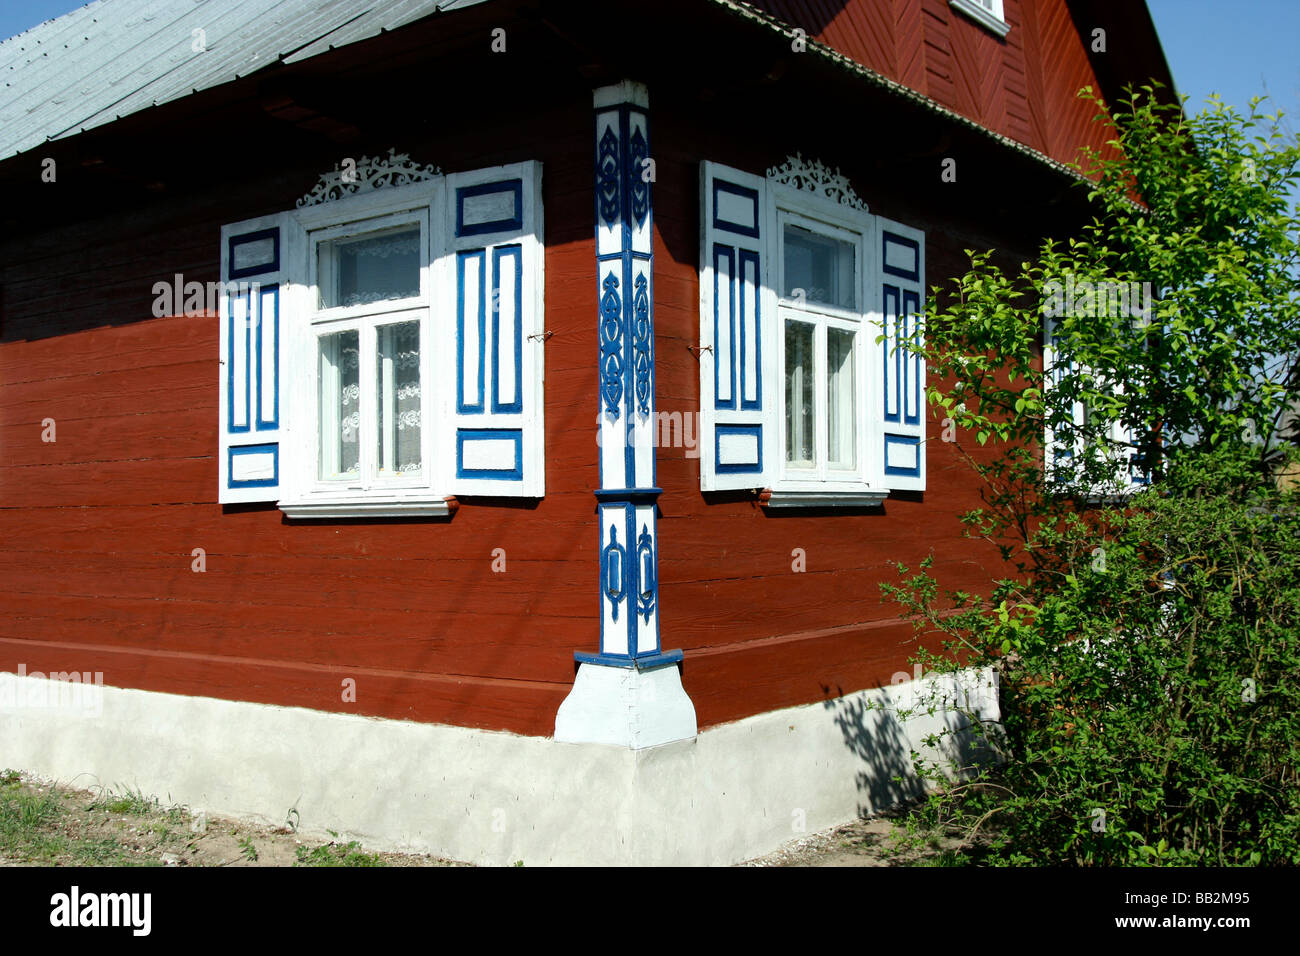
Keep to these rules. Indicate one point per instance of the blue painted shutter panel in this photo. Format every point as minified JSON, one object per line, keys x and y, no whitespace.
{"x":736,"y":430}
{"x":495,"y":305}
{"x":900,"y":273}
{"x":252,"y":333}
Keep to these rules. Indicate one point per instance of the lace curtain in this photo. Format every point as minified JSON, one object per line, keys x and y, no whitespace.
{"x":403,"y":342}
{"x":349,"y":404}
{"x":379,"y":269}
{"x":399,"y":353}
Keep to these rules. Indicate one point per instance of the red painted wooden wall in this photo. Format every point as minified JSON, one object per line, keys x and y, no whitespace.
{"x":97,"y":529}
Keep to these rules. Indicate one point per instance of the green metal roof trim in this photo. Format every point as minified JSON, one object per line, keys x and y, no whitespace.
{"x":113,"y":58}
{"x":879,"y":79}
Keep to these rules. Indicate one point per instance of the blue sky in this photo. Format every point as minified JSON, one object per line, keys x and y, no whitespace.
{"x":1237,"y":49}
{"x":1241,"y":49}
{"x":19,"y":15}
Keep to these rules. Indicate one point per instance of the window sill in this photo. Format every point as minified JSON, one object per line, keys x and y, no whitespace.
{"x":362,"y":508}
{"x":982,"y":16}
{"x":865,"y":498}
{"x":1110,"y":499}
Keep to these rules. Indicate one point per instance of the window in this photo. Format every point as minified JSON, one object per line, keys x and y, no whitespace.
{"x":798,"y":394}
{"x":382,"y":351}
{"x":987,"y":13}
{"x":369,"y":318}
{"x":821,"y":329}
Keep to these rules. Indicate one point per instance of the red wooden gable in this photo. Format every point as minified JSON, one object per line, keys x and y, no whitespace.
{"x":1023,"y":86}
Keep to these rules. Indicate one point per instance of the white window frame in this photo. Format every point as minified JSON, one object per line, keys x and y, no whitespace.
{"x":366,"y":320}
{"x":304,"y":494}
{"x":822,"y":485}
{"x":987,"y":13}
{"x":1116,"y":433}
{"x":430,"y":204}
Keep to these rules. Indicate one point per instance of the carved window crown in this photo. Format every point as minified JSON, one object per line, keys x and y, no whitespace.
{"x":814,"y":176}
{"x":368,"y":173}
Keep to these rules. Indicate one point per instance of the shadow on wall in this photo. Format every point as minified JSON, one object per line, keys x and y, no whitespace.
{"x":875,"y":736}
{"x":884,"y":729}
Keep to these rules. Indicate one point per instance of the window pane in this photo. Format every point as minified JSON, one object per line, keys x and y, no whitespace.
{"x":799,"y":393}
{"x":819,"y":265}
{"x":373,"y":268}
{"x":340,"y":406}
{"x":841,"y":425}
{"x":398,"y":374}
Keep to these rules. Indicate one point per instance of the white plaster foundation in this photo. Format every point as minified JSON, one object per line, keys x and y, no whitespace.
{"x":734,"y":792}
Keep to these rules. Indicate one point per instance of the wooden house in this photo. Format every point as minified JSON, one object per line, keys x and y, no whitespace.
{"x":463,"y":424}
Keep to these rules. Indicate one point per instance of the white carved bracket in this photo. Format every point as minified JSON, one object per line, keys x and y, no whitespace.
{"x":395,"y":169}
{"x":814,"y":176}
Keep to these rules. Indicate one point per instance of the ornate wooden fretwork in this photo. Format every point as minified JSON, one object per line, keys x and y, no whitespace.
{"x":814,"y":176}
{"x":372,"y":172}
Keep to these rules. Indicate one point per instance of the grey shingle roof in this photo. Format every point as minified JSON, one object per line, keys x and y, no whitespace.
{"x":112,"y":58}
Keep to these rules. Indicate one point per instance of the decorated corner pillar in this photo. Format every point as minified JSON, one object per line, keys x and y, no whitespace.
{"x":630,"y":692}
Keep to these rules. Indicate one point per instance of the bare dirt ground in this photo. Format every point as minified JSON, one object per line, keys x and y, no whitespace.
{"x":871,"y":842}
{"x":42,"y":824}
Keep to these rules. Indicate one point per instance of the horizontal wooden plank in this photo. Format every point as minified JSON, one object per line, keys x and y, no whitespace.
{"x":549,"y":531}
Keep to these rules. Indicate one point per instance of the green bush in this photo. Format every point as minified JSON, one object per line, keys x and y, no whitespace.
{"x":1151,"y":695}
{"x":1149,"y":651}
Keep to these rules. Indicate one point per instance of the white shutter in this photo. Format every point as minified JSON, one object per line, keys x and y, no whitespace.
{"x":252,"y":333}
{"x":1061,"y":455}
{"x":736,"y":424}
{"x":1130,"y":476}
{"x":493,"y":286}
{"x":899,"y":272}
